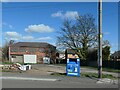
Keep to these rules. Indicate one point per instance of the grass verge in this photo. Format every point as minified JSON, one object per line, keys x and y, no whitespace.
{"x":104,"y":69}
{"x":6,"y":63}
{"x":58,"y":74}
{"x":95,"y":68}
{"x":12,"y":71}
{"x":95,"y":75}
{"x":89,"y":75}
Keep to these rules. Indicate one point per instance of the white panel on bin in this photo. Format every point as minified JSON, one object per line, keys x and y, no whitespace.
{"x":30,"y":59}
{"x":73,"y":73}
{"x":78,"y":59}
{"x":67,"y":60}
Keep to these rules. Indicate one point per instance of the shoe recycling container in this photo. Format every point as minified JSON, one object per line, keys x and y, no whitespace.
{"x":73,"y":67}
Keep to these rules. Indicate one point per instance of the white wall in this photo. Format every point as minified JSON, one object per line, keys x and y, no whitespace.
{"x":30,"y":59}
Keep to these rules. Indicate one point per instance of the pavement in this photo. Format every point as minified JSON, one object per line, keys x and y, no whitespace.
{"x":28,"y":78}
{"x":107,"y":81}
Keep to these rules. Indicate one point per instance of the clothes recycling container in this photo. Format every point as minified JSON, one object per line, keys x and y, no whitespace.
{"x":73,"y":67}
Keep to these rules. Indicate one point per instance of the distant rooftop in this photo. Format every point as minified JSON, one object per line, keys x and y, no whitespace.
{"x":117,"y":53}
{"x":31,"y":44}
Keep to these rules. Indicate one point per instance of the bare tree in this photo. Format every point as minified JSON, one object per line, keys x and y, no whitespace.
{"x":106,"y":43}
{"x":50,"y":52}
{"x":79,"y":35}
{"x":5,"y":49}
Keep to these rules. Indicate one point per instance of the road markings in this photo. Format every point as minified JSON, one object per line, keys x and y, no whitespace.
{"x":107,"y":81}
{"x":26,"y":78}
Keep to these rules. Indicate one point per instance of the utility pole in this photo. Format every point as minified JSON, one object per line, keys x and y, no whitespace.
{"x":100,"y":39}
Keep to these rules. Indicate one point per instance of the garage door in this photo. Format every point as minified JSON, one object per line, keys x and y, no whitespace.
{"x":30,"y":59}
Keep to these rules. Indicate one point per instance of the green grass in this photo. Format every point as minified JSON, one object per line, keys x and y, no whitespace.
{"x":58,"y":74}
{"x":7,"y":70}
{"x":111,"y":70}
{"x":89,"y":75}
{"x":7,"y":63}
{"x":11,"y":63}
{"x":60,"y":64}
{"x":95,"y":75}
{"x":95,"y":68}
{"x":104,"y":69}
{"x":12,"y":71}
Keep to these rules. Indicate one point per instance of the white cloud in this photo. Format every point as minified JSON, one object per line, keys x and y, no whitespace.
{"x":0,"y":25}
{"x":71,"y":14}
{"x":67,"y":14}
{"x":4,"y":23}
{"x":7,"y":25}
{"x":44,"y":38}
{"x":16,"y":36}
{"x":53,"y":43}
{"x":114,"y":44}
{"x":12,"y":36}
{"x":41,"y":28}
{"x":36,"y":39}
{"x":58,"y":14}
{"x":0,"y":44}
{"x":10,"y":26}
{"x":106,"y":33}
{"x":27,"y":37}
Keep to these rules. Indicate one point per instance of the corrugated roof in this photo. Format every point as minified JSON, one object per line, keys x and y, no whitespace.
{"x":31,"y":44}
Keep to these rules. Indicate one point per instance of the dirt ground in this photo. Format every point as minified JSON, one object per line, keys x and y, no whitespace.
{"x":45,"y":69}
{"x":48,"y":69}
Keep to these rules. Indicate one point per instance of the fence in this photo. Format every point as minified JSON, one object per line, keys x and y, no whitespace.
{"x":111,"y":64}
{"x":106,"y":64}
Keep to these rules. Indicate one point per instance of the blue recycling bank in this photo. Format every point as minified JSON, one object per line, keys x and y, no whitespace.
{"x":73,"y":67}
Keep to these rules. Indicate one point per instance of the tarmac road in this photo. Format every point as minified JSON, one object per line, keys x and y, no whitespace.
{"x":60,"y":82}
{"x":64,"y":83}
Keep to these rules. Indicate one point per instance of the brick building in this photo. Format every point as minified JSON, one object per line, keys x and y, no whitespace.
{"x":38,"y":49}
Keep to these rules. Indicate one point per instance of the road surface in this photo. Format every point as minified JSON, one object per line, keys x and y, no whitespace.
{"x":52,"y":82}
